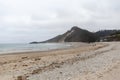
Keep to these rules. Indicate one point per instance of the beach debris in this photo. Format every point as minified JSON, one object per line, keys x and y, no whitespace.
{"x":24,"y":65}
{"x":21,"y":78}
{"x":37,"y":59}
{"x":25,"y":57}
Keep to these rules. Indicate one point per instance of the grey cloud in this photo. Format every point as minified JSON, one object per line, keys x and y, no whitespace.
{"x":27,"y":20}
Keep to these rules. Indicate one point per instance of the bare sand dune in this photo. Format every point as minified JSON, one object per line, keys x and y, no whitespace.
{"x":97,"y":61}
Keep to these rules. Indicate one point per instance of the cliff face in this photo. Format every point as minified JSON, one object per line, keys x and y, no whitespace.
{"x":74,"y":35}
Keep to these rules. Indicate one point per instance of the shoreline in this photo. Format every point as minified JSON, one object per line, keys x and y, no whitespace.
{"x":26,"y":64}
{"x":66,"y":45}
{"x":72,"y":45}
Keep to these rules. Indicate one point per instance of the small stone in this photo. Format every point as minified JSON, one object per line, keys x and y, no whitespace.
{"x":21,"y":78}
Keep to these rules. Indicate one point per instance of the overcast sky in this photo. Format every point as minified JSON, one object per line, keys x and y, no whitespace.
{"x":38,"y":20}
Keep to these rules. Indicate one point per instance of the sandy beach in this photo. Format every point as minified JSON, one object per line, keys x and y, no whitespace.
{"x":94,"y":61}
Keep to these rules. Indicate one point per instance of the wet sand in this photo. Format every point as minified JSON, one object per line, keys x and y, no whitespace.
{"x":95,"y":61}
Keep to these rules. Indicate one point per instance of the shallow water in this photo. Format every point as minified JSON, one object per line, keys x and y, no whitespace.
{"x":10,"y":48}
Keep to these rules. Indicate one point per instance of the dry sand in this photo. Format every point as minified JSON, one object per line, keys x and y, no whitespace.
{"x":97,"y":61}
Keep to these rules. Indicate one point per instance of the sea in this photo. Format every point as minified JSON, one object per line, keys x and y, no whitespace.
{"x":23,"y":47}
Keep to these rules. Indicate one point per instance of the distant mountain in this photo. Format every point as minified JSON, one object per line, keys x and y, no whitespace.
{"x":76,"y":34}
{"x":104,"y":33}
{"x":112,"y":37}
